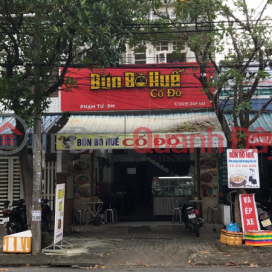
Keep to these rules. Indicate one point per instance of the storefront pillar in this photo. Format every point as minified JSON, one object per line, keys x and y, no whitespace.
{"x":93,"y":174}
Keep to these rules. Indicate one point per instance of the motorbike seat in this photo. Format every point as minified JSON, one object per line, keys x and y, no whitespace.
{"x":45,"y":201}
{"x":6,"y":203}
{"x":18,"y":202}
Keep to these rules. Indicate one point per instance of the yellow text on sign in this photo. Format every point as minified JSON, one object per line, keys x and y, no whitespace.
{"x":61,"y":194}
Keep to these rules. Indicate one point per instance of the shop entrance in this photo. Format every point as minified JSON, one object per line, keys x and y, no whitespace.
{"x":135,"y":182}
{"x":131,"y":190}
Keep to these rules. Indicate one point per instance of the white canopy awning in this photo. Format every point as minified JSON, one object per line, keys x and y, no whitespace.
{"x":160,"y":123}
{"x":119,"y":131}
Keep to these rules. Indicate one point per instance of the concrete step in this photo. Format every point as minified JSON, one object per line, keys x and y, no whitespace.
{"x":123,"y":227}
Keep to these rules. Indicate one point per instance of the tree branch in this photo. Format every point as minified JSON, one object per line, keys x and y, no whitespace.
{"x":261,"y":13}
{"x":16,"y":48}
{"x":246,"y":12}
{"x":256,"y":81}
{"x":228,"y":13}
{"x":60,"y":80}
{"x":225,"y":103}
{"x":238,"y":52}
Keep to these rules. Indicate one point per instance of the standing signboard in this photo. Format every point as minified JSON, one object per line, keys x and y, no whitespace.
{"x":59,"y":245}
{"x":59,"y":212}
{"x":249,"y":212}
{"x":243,"y":168}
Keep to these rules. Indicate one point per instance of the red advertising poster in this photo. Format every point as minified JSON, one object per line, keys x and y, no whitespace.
{"x":249,"y":212}
{"x":142,"y":87}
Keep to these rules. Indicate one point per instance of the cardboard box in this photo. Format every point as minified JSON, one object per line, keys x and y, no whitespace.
{"x":18,"y":243}
{"x":231,"y":238}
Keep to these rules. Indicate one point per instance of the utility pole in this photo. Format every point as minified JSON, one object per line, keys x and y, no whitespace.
{"x":37,"y":185}
{"x":36,"y":145}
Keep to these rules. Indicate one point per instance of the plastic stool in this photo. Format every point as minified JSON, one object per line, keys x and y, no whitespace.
{"x":175,"y":213}
{"x":112,"y":217}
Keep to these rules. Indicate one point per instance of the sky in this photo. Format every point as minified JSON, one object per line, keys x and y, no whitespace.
{"x":257,"y":5}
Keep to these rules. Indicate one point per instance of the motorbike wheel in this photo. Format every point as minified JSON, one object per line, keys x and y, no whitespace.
{"x":268,"y":227}
{"x":187,"y":225}
{"x":13,"y":227}
{"x":196,"y":230}
{"x":44,"y":226}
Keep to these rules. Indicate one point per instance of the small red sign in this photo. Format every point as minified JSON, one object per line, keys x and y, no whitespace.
{"x":249,"y":212}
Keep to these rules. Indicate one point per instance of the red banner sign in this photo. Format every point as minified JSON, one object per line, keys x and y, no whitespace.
{"x":249,"y":212}
{"x":142,"y":87}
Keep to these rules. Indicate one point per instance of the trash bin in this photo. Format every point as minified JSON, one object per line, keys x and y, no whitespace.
{"x":97,"y":221}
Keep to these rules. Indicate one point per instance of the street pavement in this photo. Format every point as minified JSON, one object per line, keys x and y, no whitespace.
{"x":138,"y":269}
{"x":165,"y":245}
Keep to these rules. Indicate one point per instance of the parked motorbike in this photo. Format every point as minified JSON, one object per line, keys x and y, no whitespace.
{"x":15,"y":216}
{"x":190,"y":216}
{"x":46,"y":216}
{"x":264,"y":218}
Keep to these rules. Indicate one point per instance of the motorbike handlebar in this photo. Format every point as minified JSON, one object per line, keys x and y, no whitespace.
{"x":45,"y":200}
{"x":260,"y":205}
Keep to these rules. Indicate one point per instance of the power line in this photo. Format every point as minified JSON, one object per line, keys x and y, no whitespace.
{"x":182,"y":31}
{"x":193,"y":23}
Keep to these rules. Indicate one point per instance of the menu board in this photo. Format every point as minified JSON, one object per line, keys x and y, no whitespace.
{"x":82,"y":189}
{"x":208,"y":176}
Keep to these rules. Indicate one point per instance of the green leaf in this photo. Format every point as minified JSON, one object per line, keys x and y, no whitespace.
{"x":56,"y":29}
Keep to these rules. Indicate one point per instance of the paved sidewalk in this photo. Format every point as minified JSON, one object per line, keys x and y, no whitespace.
{"x":165,"y":245}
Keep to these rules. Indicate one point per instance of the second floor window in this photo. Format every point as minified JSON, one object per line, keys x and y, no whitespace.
{"x":162,"y":46}
{"x":178,"y":45}
{"x":140,"y":58}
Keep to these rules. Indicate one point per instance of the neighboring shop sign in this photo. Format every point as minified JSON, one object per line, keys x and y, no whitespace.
{"x":59,"y":212}
{"x":155,"y":140}
{"x":243,"y":169}
{"x":82,"y":189}
{"x":208,"y":176}
{"x":249,"y":212}
{"x":264,"y":86}
{"x":138,"y":88}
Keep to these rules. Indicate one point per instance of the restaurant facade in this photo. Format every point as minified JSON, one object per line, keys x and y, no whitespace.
{"x":129,"y":126}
